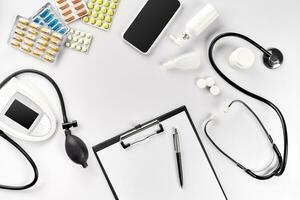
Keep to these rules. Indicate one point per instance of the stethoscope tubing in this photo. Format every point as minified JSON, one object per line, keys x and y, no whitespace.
{"x":280,"y":169}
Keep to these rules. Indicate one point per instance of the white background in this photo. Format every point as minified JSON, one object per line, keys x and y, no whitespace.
{"x":115,"y":87}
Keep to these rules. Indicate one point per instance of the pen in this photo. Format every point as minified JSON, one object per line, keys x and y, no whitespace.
{"x":178,"y":156}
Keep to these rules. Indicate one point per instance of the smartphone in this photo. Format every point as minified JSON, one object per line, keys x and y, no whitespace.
{"x":150,"y":23}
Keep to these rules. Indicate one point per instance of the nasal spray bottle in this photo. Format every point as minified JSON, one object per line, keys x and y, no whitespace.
{"x":197,"y":24}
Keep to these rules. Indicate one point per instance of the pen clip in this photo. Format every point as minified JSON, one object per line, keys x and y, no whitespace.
{"x":137,"y":130}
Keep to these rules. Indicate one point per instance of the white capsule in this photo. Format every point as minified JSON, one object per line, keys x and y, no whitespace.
{"x":201,"y":83}
{"x":215,"y":90}
{"x":210,"y":82}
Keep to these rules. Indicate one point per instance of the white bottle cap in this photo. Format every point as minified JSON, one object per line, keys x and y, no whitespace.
{"x":201,"y":83}
{"x":210,"y":82}
{"x":215,"y":90}
{"x":242,"y":58}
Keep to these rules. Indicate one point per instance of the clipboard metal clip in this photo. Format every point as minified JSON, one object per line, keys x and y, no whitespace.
{"x":138,"y":129}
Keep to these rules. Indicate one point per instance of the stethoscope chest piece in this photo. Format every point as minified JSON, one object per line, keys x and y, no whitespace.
{"x":275,"y":60}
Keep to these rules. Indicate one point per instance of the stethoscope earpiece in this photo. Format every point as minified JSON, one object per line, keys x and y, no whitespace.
{"x":274,"y":60}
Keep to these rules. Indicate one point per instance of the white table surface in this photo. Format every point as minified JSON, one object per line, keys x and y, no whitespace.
{"x":114,"y":87}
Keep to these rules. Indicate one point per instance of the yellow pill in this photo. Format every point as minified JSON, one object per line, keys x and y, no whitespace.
{"x":101,"y":16}
{"x":92,"y":21}
{"x":36,"y":53}
{"x":110,"y":12}
{"x":34,"y":25}
{"x":49,"y":58}
{"x":45,"y":37}
{"x":90,"y":5}
{"x":54,"y":47}
{"x":21,"y":26}
{"x":26,"y":48}
{"x":113,"y":6}
{"x":106,"y":3}
{"x":115,"y":1}
{"x":40,"y":47}
{"x":99,"y":2}
{"x":93,"y":1}
{"x":95,"y":14}
{"x":19,"y":39}
{"x":97,"y":8}
{"x":24,"y":21}
{"x":89,"y":12}
{"x":32,"y":31}
{"x":85,"y":19}
{"x":105,"y":25}
{"x":42,"y":42}
{"x":28,"y":42}
{"x":57,"y":35}
{"x":15,"y":43}
{"x":104,"y":10}
{"x":46,"y":30}
{"x":50,"y":52}
{"x":20,"y":33}
{"x":108,"y":19}
{"x":55,"y":41}
{"x":30,"y":36}
{"x":99,"y":23}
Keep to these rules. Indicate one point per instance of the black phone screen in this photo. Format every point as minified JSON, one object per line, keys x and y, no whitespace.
{"x":150,"y":22}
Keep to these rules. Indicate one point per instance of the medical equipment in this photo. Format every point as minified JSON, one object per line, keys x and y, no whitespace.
{"x":187,"y":61}
{"x":26,"y":116}
{"x":248,"y":171}
{"x":273,"y":58}
{"x":197,"y":24}
{"x":242,"y":58}
{"x":24,"y":112}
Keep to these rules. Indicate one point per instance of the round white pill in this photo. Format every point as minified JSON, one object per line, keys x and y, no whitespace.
{"x":88,"y":36}
{"x":215,"y":90}
{"x":210,"y":82}
{"x":82,"y":34}
{"x":201,"y":83}
{"x":70,"y":37}
{"x":242,"y":58}
{"x":75,"y":39}
{"x":78,"y":47}
{"x":87,"y":41}
{"x":68,"y":44}
{"x":84,"y":49}
{"x":73,"y":46}
{"x":80,"y":41}
{"x":77,"y":32}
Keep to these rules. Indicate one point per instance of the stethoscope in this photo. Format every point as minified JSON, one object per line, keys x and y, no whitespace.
{"x":272,"y":58}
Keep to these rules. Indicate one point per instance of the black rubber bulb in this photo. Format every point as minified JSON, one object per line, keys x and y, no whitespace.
{"x":76,"y":149}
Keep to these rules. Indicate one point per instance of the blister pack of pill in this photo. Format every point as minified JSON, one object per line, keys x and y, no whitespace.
{"x":78,"y":40}
{"x":100,"y":13}
{"x":47,"y":16}
{"x":36,"y":40}
{"x":71,"y":10}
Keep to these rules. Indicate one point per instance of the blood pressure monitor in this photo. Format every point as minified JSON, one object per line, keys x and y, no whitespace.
{"x":24,"y":113}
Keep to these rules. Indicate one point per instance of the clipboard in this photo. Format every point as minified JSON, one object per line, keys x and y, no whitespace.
{"x":144,"y":167}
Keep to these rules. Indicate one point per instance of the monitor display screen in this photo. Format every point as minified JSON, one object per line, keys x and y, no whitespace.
{"x":21,"y":114}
